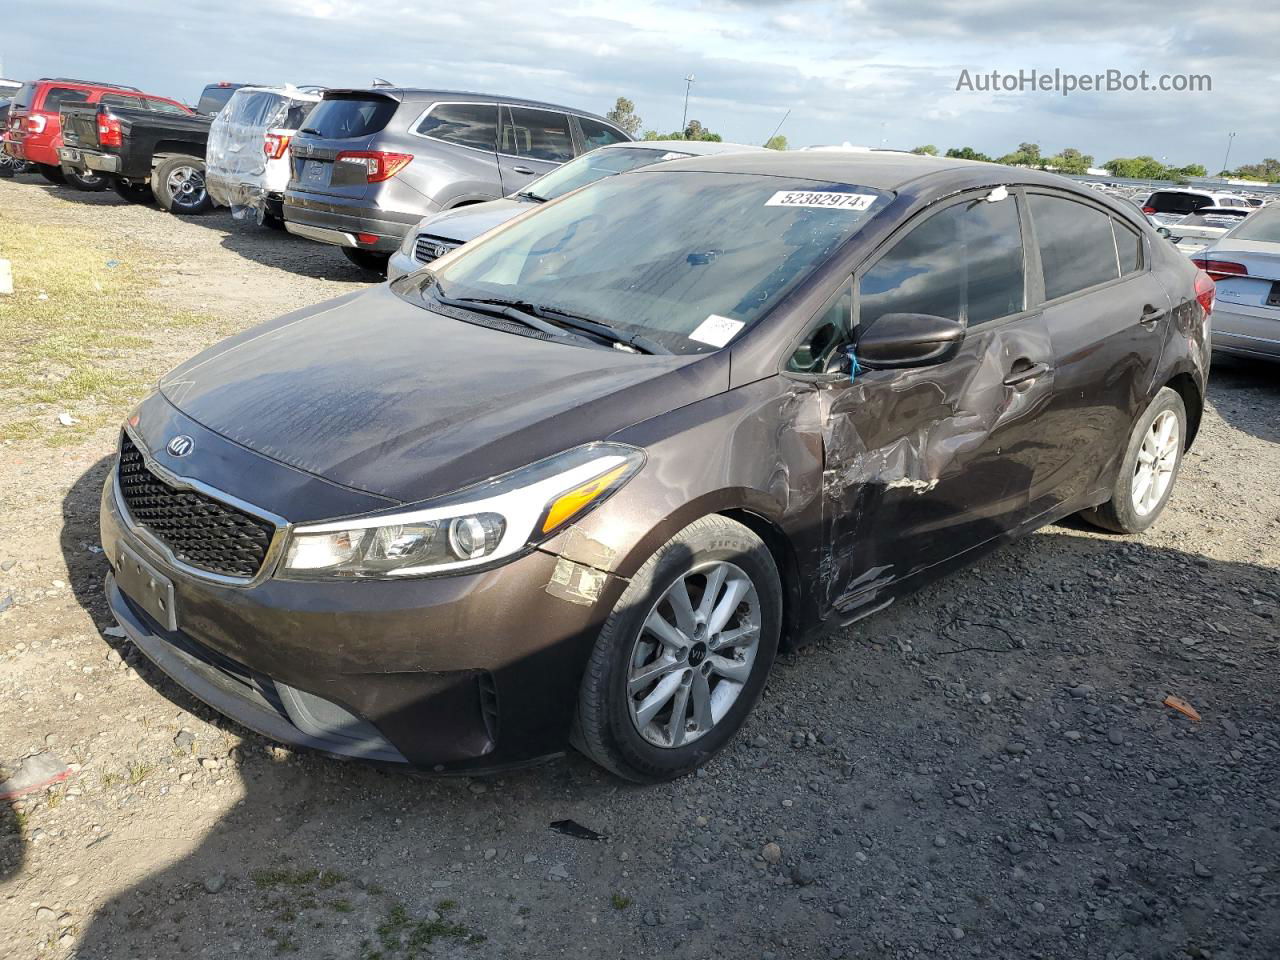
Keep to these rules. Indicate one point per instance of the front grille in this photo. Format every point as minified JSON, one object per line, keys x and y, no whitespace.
{"x":201,"y":531}
{"x":426,"y":249}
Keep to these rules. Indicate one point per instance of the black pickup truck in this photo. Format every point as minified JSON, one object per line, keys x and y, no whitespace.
{"x":143,"y":152}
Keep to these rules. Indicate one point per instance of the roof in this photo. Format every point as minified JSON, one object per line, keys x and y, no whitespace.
{"x":879,"y":169}
{"x":425,"y":95}
{"x":696,"y":148}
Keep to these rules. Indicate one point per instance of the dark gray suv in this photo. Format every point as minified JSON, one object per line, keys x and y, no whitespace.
{"x":369,"y":164}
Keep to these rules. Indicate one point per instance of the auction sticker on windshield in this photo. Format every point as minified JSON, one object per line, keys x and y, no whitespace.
{"x":821,"y":200}
{"x":716,"y":330}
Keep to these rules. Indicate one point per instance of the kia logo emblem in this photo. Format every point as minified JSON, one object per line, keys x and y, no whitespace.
{"x":180,"y":446}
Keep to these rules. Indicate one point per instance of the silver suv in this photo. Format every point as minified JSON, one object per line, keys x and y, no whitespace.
{"x":369,"y":164}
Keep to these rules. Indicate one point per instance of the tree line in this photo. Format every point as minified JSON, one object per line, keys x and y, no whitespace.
{"x":1069,"y":160}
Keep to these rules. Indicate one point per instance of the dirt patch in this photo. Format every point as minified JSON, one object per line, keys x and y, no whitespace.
{"x":986,"y":769}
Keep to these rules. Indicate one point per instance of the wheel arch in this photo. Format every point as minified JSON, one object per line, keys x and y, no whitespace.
{"x":1186,"y":387}
{"x":784,"y":558}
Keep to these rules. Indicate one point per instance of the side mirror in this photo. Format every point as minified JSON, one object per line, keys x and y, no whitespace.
{"x":900,"y":340}
{"x":1165,"y":232}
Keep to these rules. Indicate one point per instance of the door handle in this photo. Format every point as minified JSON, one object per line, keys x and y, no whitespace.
{"x":1150,"y":314}
{"x":524,"y":170}
{"x":1024,"y":372}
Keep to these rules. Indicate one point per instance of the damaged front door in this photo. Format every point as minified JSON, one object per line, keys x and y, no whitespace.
{"x":925,"y":464}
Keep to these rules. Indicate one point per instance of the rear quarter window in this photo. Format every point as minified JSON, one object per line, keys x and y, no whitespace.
{"x":22,"y":99}
{"x":55,"y":97}
{"x":346,"y":118}
{"x":472,"y":125}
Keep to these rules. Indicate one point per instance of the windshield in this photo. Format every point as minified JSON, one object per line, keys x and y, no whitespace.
{"x":594,"y":166}
{"x":1263,"y":226}
{"x":686,"y":259}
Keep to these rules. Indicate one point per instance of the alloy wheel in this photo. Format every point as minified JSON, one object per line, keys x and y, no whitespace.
{"x":186,"y":186}
{"x":694,"y":654}
{"x":1157,"y":458}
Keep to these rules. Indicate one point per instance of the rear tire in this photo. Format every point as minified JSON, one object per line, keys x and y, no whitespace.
{"x":708,"y":660}
{"x":52,"y":174}
{"x":178,"y":185}
{"x":89,"y":182}
{"x":133,"y":192}
{"x":1149,"y":470}
{"x":369,"y":260}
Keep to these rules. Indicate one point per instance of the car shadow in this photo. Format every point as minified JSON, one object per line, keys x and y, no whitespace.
{"x":1246,"y":394}
{"x":361,"y":853}
{"x":243,"y":237}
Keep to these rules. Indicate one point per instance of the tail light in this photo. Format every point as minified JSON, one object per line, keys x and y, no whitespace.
{"x":109,"y":134}
{"x":1220,"y":269}
{"x":1148,"y":210}
{"x":1204,"y":291}
{"x":379,"y":164}
{"x":36,"y":123}
{"x":274,"y":145}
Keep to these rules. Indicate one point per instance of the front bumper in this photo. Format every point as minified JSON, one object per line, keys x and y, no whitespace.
{"x":338,"y":221}
{"x":452,"y":674}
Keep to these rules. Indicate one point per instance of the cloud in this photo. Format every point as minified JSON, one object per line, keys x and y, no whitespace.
{"x":857,"y":70}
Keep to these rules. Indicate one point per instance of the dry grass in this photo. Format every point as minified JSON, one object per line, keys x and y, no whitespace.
{"x":79,"y":333}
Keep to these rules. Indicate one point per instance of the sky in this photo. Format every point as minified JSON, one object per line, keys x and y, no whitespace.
{"x":869,"y":72}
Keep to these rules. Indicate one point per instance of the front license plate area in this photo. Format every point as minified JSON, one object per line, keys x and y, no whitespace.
{"x":147,"y":587}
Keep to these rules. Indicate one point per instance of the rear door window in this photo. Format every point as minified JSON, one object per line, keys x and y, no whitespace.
{"x":597,"y":134}
{"x":472,"y":125}
{"x":119,"y":100}
{"x":963,"y":263}
{"x":536,"y":134}
{"x":347,"y":118}
{"x":55,"y":97}
{"x":163,"y":106}
{"x":1077,"y":247}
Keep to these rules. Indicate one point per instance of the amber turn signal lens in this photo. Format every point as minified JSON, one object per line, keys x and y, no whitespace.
{"x":571,"y":503}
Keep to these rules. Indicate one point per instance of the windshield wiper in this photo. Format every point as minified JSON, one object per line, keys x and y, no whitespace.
{"x":552,"y":320}
{"x":637,"y":343}
{"x":310,"y":130}
{"x":530,"y":195}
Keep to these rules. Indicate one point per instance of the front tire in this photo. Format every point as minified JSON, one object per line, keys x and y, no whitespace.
{"x":89,"y":182}
{"x":1149,"y":469}
{"x":52,"y":174}
{"x":684,"y":655}
{"x":178,"y":185}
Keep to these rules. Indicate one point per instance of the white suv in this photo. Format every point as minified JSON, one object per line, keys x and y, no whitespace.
{"x":1167,"y":207}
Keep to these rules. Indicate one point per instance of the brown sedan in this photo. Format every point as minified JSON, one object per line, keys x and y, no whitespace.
{"x":577,"y":480}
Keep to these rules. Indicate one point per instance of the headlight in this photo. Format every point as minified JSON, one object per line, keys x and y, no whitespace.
{"x":410,"y":238}
{"x":478,"y":526}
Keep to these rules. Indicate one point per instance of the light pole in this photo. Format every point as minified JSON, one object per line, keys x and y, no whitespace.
{"x":1230,"y":137}
{"x":684,"y":119}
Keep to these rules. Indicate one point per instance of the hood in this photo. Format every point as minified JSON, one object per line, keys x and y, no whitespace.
{"x":385,"y":396}
{"x":467,"y":223}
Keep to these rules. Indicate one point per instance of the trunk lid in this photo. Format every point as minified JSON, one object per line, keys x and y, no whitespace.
{"x":345,"y":121}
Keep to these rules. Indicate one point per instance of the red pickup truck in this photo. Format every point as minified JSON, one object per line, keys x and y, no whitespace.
{"x":34,"y":133}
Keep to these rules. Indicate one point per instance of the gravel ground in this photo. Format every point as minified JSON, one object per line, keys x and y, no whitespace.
{"x":987,"y":769}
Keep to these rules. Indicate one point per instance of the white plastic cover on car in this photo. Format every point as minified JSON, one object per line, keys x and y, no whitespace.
{"x":238,"y":172}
